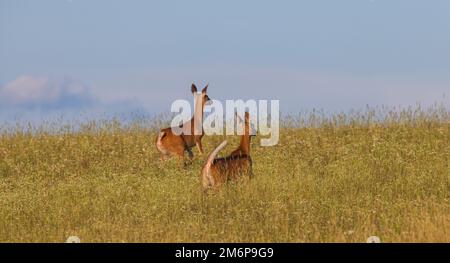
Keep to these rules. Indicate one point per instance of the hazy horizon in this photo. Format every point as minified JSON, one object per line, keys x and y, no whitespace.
{"x":67,"y":57}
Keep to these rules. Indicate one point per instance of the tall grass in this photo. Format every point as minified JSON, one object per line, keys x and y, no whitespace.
{"x":332,"y":178}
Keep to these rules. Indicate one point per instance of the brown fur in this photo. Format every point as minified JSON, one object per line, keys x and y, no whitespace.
{"x":218,"y":171}
{"x":168,"y":143}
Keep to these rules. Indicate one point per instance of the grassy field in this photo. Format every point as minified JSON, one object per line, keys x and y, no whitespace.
{"x":339,"y":178}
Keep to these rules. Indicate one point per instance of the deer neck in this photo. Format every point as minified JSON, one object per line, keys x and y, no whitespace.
{"x":245,"y":142}
{"x":197,"y":119}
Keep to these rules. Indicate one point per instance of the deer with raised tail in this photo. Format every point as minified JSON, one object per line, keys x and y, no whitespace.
{"x":238,"y":164}
{"x":169,"y":143}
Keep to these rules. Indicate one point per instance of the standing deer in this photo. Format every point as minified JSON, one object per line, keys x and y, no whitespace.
{"x":168,"y":143}
{"x":217,"y":171}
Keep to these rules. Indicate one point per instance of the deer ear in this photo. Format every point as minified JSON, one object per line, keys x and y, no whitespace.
{"x":193,"y":88}
{"x":205,"y":88}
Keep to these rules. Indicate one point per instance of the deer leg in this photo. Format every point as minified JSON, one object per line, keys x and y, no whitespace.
{"x":163,"y":157}
{"x":182,"y":159}
{"x":198,"y":143}
{"x":190,"y":154}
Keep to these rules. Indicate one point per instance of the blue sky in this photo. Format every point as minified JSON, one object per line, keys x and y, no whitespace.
{"x":61,"y":56}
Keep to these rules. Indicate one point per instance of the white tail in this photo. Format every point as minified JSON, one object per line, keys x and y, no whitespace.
{"x":214,"y":153}
{"x":207,"y":179}
{"x":160,"y":135}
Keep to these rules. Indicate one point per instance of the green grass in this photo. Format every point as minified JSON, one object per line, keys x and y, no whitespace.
{"x":330,"y":179}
